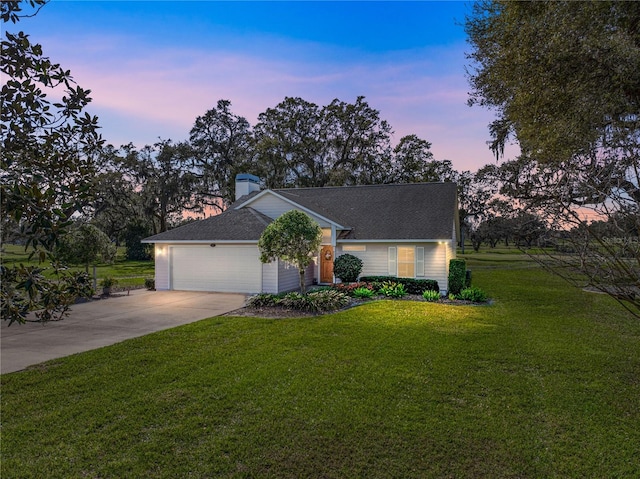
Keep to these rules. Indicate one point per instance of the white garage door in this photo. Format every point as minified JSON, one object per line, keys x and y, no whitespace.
{"x":229,"y":269}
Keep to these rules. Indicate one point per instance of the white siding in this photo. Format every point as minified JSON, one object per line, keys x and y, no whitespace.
{"x":310,"y":274}
{"x":162,"y":266}
{"x":451,"y":254}
{"x":270,"y":277}
{"x":435,"y":266}
{"x":376,"y":260}
{"x":288,"y":277}
{"x":272,"y":206}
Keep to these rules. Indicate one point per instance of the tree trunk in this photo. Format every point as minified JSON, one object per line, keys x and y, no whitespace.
{"x":302,"y":286}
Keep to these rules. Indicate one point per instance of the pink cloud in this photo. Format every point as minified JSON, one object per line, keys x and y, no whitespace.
{"x":142,"y":92}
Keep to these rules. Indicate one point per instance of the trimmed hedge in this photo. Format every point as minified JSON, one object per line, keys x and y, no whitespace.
{"x":457,"y":275}
{"x":412,"y":285}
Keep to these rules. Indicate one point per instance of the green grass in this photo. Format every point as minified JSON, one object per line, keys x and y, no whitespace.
{"x":543,"y":383}
{"x":128,"y":273}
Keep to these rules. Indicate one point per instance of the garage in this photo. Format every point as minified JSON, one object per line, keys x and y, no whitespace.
{"x":223,"y":268}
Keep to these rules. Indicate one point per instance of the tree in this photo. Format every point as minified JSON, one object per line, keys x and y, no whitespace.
{"x":220,"y":142}
{"x":299,"y":144}
{"x":564,"y":79}
{"x":116,"y":200}
{"x":289,"y":145}
{"x":292,"y":237}
{"x":85,"y":244}
{"x":475,"y":191}
{"x":413,"y":162}
{"x":563,"y":76}
{"x":134,"y":233}
{"x":46,"y":164}
{"x":359,"y":149}
{"x":165,"y":184}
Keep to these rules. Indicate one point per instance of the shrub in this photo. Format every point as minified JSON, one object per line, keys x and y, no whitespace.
{"x":393,"y":290}
{"x":263,"y":300}
{"x":412,"y":285}
{"x":108,"y":282}
{"x":363,"y":292}
{"x":317,"y":300}
{"x":431,"y":295}
{"x":323,"y":300}
{"x":295,"y":301}
{"x":150,"y":284}
{"x":327,"y":300}
{"x":457,"y":275}
{"x":473,"y":294}
{"x":347,"y":267}
{"x":349,"y":288}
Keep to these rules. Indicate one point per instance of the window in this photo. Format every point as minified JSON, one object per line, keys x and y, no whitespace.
{"x":354,"y":247}
{"x":406,"y":262}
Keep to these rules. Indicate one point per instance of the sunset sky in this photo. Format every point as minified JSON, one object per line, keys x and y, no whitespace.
{"x":154,"y":66}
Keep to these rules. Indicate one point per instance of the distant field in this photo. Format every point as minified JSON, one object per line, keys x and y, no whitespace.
{"x":128,"y":273}
{"x":499,"y":257}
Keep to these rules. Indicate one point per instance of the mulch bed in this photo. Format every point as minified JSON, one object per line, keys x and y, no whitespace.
{"x":281,"y":312}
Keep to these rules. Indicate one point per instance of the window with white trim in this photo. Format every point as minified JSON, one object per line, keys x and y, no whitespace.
{"x":355,"y":247}
{"x":406,"y":262}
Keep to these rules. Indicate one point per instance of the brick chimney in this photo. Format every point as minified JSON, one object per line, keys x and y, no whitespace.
{"x":246,"y":183}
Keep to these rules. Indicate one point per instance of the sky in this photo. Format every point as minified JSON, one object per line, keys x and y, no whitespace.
{"x":154,"y":66}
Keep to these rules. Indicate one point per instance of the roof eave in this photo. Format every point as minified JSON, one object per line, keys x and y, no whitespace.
{"x":208,"y":241}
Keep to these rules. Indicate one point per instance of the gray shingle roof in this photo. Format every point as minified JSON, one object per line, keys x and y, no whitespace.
{"x":379,"y":212}
{"x":373,"y":212}
{"x":231,"y":225}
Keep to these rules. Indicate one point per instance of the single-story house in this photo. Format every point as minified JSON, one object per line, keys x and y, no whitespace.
{"x":403,"y":230}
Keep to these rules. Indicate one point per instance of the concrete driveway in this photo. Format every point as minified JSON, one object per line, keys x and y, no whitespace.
{"x":100,"y":323}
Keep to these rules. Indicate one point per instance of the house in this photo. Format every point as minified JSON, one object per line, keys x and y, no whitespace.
{"x":405,"y":230}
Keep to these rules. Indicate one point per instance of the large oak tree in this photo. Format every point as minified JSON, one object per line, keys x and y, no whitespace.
{"x":564,"y":81}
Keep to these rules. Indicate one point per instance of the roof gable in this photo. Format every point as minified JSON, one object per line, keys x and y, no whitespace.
{"x":273,"y":203}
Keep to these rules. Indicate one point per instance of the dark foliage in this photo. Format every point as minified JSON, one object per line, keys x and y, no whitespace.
{"x":457,"y":275}
{"x":347,"y":267}
{"x":412,"y":285}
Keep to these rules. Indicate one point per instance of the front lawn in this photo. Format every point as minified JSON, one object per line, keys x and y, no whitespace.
{"x":543,"y":383}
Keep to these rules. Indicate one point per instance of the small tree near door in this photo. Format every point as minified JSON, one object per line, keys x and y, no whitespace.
{"x":293,"y":237}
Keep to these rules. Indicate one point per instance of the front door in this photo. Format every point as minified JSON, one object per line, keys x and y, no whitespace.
{"x":326,"y":264}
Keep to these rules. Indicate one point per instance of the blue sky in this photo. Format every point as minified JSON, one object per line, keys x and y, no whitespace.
{"x":154,"y":66}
